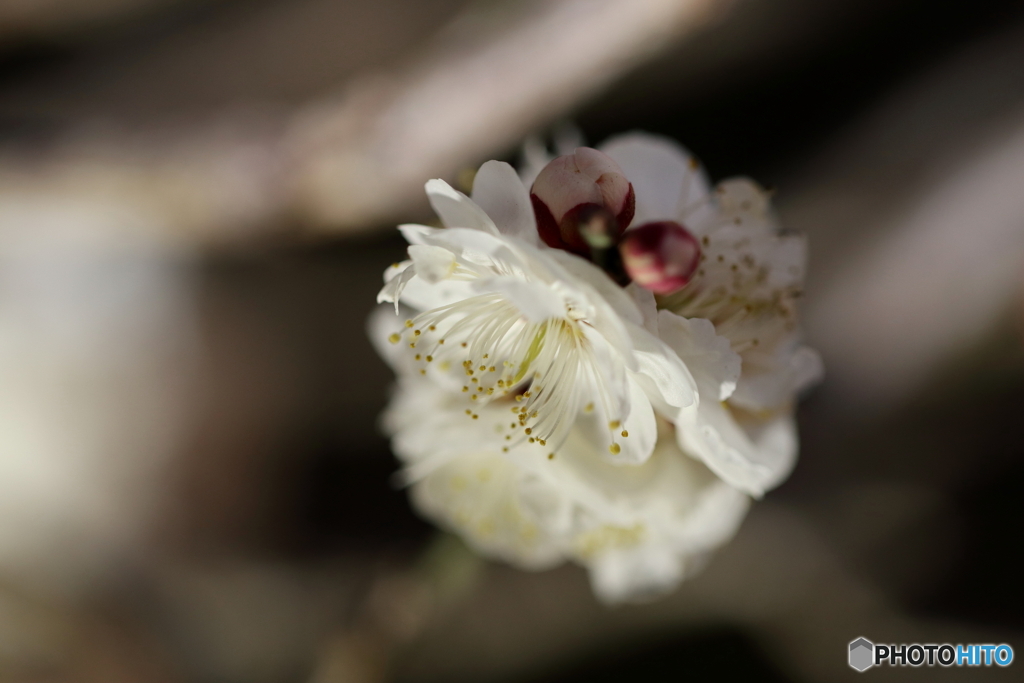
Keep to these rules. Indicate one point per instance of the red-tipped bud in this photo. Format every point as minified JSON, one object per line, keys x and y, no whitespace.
{"x":572,"y":190}
{"x":661,"y":257}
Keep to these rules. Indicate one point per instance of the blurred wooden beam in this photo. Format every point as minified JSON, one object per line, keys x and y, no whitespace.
{"x":342,"y":163}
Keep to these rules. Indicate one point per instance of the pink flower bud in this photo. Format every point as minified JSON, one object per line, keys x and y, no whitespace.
{"x":572,"y":189}
{"x":661,"y":257}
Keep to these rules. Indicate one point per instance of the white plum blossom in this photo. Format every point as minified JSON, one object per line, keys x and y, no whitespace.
{"x":547,"y":410}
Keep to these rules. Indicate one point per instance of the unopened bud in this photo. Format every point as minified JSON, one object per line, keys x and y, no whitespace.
{"x":572,"y":191}
{"x":661,"y":257}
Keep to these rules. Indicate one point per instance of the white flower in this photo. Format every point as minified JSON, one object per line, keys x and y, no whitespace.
{"x":746,"y":285}
{"x":639,"y":529}
{"x":545,"y":412}
{"x":503,"y":319}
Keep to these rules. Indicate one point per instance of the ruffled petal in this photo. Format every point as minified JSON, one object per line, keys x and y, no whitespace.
{"x":753,"y":461}
{"x":672,"y":383}
{"x":709,"y":357}
{"x":493,"y":506}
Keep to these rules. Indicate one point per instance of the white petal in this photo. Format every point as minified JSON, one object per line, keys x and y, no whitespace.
{"x":584,"y":271}
{"x":593,"y":429}
{"x":644,"y":299}
{"x":392,"y":290}
{"x":666,"y":179}
{"x":753,"y":462}
{"x":536,"y":301}
{"x":477,"y":495}
{"x":635,"y":574}
{"x":610,"y":370}
{"x":499,"y":192}
{"x":433,"y":264}
{"x":770,"y":386}
{"x":474,"y":247}
{"x":673,"y":382}
{"x":709,"y":357}
{"x":455,"y":209}
{"x":806,"y":368}
{"x":382,"y":323}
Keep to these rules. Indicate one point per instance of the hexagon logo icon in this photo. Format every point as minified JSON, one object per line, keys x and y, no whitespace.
{"x":862,"y":654}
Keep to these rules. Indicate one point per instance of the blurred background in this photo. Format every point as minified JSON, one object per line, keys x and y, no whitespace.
{"x":197,"y":201}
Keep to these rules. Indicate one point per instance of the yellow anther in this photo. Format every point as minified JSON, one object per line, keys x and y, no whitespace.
{"x":491,"y":369}
{"x":475,"y":416}
{"x":408,"y":323}
{"x":542,"y":442}
{"x":395,"y":338}
{"x":532,"y":439}
{"x":465,"y":389}
{"x":625,"y":433}
{"x":430,"y":359}
{"x":614,"y":424}
{"x":614,"y":448}
{"x":551,"y":456}
{"x":468,"y":411}
{"x":416,"y":333}
{"x":432,"y":328}
{"x":589,"y":408}
{"x":528,"y":430}
{"x":418,"y":356}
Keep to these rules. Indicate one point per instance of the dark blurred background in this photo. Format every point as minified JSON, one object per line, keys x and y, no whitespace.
{"x":197,"y":201}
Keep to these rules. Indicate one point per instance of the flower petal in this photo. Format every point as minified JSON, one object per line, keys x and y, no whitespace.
{"x":709,"y":357}
{"x":648,"y":306}
{"x":640,"y":427}
{"x":673,"y":383}
{"x":637,"y":574}
{"x":499,"y":192}
{"x":584,"y":271}
{"x":753,"y":460}
{"x":536,"y":301}
{"x":478,"y":496}
{"x":433,"y":264}
{"x":667,"y":179}
{"x":455,"y":209}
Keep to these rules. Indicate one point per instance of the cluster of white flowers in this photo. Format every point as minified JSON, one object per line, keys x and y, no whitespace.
{"x":597,"y":361}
